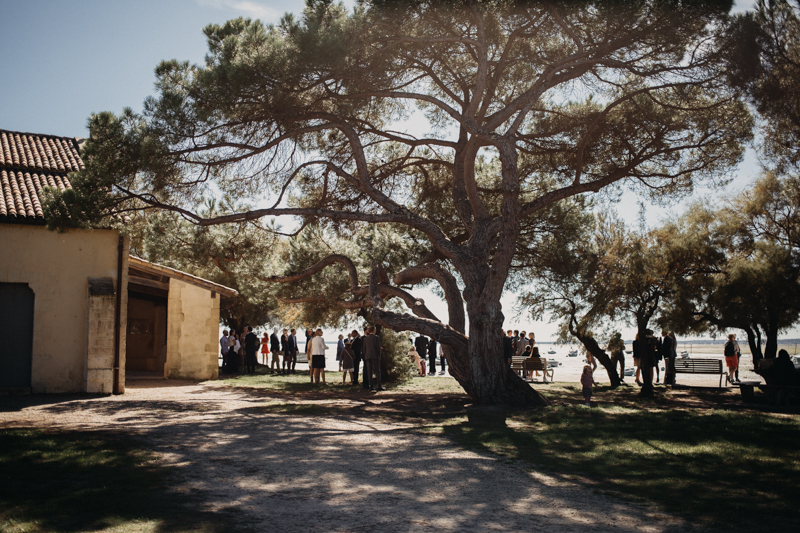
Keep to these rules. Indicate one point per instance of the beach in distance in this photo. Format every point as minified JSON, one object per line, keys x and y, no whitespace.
{"x":570,"y":367}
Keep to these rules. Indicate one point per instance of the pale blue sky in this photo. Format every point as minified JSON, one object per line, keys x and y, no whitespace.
{"x":63,"y":60}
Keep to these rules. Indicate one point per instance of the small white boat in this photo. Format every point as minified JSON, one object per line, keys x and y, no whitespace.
{"x":553,"y":364}
{"x":573,"y":353}
{"x":630,"y":371}
{"x":684,"y":355}
{"x":551,"y":352}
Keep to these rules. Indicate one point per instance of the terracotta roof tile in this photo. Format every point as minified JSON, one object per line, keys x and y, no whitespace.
{"x":29,"y":162}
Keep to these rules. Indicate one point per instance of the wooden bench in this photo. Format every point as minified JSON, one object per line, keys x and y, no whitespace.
{"x":700,"y":366}
{"x":537,"y":364}
{"x":526,"y":364}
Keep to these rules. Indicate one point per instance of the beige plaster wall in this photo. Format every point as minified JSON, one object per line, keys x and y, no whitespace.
{"x":192,"y":327}
{"x":57,"y":266}
{"x":100,"y":344}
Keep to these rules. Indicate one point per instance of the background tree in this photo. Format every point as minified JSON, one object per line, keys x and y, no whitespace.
{"x":612,"y":275}
{"x":525,"y":104}
{"x":570,"y":286}
{"x":764,"y":56}
{"x":750,"y":278}
{"x":235,"y":255}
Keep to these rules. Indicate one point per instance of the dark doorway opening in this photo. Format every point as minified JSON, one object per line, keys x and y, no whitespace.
{"x":16,"y":332}
{"x":146,"y":345}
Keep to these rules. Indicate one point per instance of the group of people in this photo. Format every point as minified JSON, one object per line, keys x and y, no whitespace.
{"x":520,"y":344}
{"x":241,"y":351}
{"x":285,"y":347}
{"x":357,"y":349}
{"x":238,"y":350}
{"x":422,"y":348}
{"x":653,"y":350}
{"x":350,"y":353}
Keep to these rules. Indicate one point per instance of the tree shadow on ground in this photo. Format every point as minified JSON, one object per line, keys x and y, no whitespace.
{"x":343,"y":471}
{"x":284,"y":456}
{"x":79,"y":481}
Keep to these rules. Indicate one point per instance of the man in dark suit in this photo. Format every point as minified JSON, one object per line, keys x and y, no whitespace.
{"x":356,"y":346}
{"x":372,"y":359}
{"x":287,"y":356}
{"x":292,"y":344}
{"x":421,"y":344}
{"x":666,"y":349}
{"x":432,"y":349}
{"x":508,"y":346}
{"x":251,"y":344}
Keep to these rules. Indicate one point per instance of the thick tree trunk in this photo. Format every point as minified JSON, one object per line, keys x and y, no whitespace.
{"x":482,"y":371}
{"x":754,"y":341}
{"x":475,"y":362}
{"x":598,"y":353}
{"x":771,"y":348}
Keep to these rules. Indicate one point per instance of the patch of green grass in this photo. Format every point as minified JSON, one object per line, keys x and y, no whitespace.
{"x":80,"y":481}
{"x":429,"y":385}
{"x":723,"y":469}
{"x":300,"y":382}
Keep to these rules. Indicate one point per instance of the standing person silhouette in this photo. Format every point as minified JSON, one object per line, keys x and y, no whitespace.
{"x":372,"y":357}
{"x":357,"y":354}
{"x":275,"y":348}
{"x":421,"y":344}
{"x":251,"y":344}
{"x":433,"y":349}
{"x":287,"y":354}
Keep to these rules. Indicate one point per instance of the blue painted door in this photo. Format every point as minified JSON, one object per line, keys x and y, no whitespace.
{"x":16,"y":334}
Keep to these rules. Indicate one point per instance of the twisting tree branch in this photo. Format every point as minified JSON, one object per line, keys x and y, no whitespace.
{"x":320,"y":266}
{"x":404,"y":321}
{"x":446,"y":280}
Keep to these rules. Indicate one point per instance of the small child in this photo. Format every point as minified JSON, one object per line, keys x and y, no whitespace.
{"x":587,"y":380}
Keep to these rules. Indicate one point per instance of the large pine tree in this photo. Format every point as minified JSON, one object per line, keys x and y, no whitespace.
{"x":462,"y":122}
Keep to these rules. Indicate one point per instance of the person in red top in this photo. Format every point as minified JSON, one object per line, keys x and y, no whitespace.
{"x":264,"y":348}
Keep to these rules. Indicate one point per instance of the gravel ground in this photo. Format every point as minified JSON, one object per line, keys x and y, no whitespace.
{"x":290,"y":473}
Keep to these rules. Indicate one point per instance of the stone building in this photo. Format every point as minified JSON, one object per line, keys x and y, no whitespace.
{"x":64,"y":323}
{"x":173,"y":321}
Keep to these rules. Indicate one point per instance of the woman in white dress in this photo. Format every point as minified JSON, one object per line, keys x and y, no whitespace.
{"x":318,"y":348}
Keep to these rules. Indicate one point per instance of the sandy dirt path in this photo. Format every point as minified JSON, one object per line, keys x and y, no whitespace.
{"x":301,"y":473}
